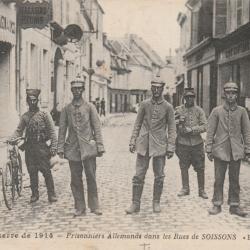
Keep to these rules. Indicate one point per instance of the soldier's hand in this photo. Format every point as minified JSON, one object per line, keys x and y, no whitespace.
{"x":132,"y":148}
{"x":61,"y":155}
{"x":210,"y":156}
{"x":52,"y":152}
{"x":188,"y":130}
{"x":169,"y":154}
{"x":100,"y":154}
{"x":247,"y":158}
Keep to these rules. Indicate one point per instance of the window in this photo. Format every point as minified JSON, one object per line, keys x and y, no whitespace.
{"x":239,"y":12}
{"x":67,"y":12}
{"x":33,"y":66}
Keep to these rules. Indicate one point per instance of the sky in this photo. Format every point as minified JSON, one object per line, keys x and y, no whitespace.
{"x":153,"y":20}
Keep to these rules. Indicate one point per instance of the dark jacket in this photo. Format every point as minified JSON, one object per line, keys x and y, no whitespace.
{"x":195,"y":118}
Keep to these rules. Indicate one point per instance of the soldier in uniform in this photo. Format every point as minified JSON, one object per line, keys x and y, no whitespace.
{"x":81,"y":120}
{"x":154,"y":137}
{"x":189,"y":144}
{"x":39,"y":130}
{"x":228,"y":142}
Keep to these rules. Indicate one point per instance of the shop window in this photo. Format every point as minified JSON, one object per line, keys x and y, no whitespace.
{"x":239,"y":12}
{"x":116,"y":102}
{"x":200,"y":87}
{"x":125,"y":103}
{"x":137,"y":98}
{"x":33,"y":66}
{"x":110,"y":103}
{"x":220,"y":17}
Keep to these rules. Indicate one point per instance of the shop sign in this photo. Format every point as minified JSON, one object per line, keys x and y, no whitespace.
{"x":236,"y":50}
{"x":7,"y":24}
{"x":35,"y":14}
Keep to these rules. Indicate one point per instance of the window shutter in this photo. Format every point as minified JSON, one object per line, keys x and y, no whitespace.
{"x":220,"y":17}
{"x":195,"y":18}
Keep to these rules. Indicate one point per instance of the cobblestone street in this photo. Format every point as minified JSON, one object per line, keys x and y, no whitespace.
{"x":114,"y":174}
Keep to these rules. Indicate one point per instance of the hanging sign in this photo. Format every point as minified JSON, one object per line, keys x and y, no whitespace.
{"x":35,"y":14}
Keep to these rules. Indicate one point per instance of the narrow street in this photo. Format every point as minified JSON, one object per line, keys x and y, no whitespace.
{"x":114,"y":174}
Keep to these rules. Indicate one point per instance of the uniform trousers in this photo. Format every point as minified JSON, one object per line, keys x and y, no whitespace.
{"x":142,"y":164}
{"x":76,"y":169}
{"x":220,"y":168}
{"x":37,"y":156}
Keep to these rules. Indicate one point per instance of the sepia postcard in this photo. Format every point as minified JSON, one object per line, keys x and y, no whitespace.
{"x":124,"y":124}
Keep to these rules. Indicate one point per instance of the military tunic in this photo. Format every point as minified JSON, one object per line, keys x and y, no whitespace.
{"x":189,"y":146}
{"x":40,"y":130}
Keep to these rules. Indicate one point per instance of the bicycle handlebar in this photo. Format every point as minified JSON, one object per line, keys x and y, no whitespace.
{"x":12,"y":141}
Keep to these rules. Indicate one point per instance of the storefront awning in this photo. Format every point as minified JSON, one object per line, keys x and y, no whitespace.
{"x":6,"y":36}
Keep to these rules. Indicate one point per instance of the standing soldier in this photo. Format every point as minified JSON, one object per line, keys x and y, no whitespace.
{"x":39,"y":129}
{"x":83,"y":144}
{"x":189,"y":144}
{"x":153,"y":136}
{"x":228,"y":142}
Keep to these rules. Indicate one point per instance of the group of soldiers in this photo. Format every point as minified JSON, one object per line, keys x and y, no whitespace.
{"x":159,"y":132}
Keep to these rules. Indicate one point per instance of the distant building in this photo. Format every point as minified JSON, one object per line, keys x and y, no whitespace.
{"x":167,"y":74}
{"x":133,"y":66}
{"x":144,"y":64}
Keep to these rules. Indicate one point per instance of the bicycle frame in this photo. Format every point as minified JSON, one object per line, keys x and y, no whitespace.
{"x":11,"y":173}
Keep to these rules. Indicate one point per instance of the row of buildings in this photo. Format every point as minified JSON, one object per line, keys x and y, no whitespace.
{"x":47,"y":43}
{"x":214,"y":48}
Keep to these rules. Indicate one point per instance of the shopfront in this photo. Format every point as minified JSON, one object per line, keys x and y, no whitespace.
{"x":8,"y":114}
{"x":201,"y":74}
{"x":234,"y":65}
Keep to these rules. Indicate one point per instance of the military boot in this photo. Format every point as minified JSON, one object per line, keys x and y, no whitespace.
{"x":214,"y":210}
{"x":135,"y":206}
{"x":34,"y":187}
{"x":237,"y":211}
{"x":50,"y":188}
{"x":201,"y":184}
{"x":185,"y":183}
{"x":158,"y":186}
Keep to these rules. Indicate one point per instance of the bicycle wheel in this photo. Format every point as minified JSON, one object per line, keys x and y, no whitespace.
{"x":19,"y":176}
{"x":7,"y":186}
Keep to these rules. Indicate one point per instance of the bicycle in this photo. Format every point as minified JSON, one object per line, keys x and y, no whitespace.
{"x":12,"y":173}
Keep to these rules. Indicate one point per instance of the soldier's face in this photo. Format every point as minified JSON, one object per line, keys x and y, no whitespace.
{"x":189,"y":101}
{"x":32,"y":101}
{"x":77,"y":92}
{"x":231,"y":96}
{"x":156,"y":91}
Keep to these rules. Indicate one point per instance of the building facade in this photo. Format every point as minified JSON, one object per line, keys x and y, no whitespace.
{"x":200,"y":57}
{"x":184,"y":21}
{"x":234,"y":47}
{"x":8,"y":87}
